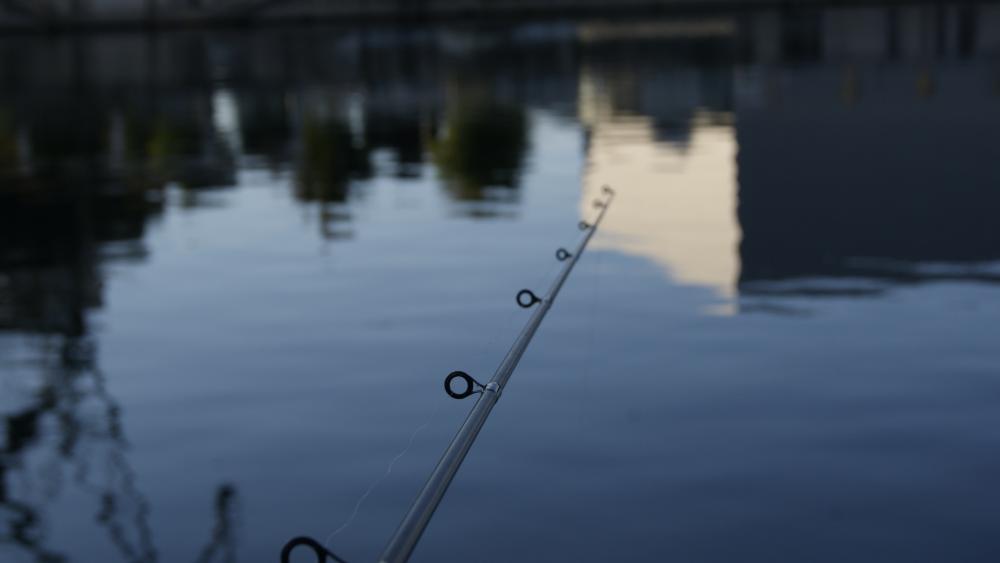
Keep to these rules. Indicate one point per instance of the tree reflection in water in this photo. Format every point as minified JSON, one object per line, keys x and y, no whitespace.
{"x":65,"y":421}
{"x":481,"y":150}
{"x":329,"y":160}
{"x":90,"y":443}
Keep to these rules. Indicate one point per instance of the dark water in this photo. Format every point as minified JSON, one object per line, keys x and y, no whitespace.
{"x":235,"y":267}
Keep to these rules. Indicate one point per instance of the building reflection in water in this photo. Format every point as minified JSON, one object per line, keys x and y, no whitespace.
{"x":887,"y":145}
{"x":664,"y":136}
{"x":850,"y":149}
{"x":781,"y":152}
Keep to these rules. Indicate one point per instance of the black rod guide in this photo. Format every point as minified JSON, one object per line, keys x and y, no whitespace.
{"x":405,"y":539}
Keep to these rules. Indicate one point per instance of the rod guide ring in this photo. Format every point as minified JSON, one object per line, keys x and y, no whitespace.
{"x":322,"y":553}
{"x":470,"y":385}
{"x":526,"y":298}
{"x":583,"y":225}
{"x":562,"y":255}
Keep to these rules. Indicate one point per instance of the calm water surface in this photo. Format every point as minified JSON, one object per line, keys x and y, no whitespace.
{"x":236,"y":266}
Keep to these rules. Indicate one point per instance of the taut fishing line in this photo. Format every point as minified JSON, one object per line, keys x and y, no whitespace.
{"x":383,"y":477}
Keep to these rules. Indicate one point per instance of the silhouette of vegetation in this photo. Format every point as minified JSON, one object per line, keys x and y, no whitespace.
{"x":223,"y":540}
{"x":8,"y":146}
{"x":329,"y":160}
{"x":402,"y":134}
{"x":265,"y":127}
{"x":50,"y":278}
{"x":482,"y":146}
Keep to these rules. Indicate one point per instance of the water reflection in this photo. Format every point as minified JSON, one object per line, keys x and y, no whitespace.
{"x":222,"y":545}
{"x":681,"y":216}
{"x":481,"y":150}
{"x":666,"y":136}
{"x":883,"y":167}
{"x":797,"y":152}
{"x":68,"y":423}
{"x":866,"y":143}
{"x":61,"y":222}
{"x":405,"y":135}
{"x":61,"y":421}
{"x":327,"y":163}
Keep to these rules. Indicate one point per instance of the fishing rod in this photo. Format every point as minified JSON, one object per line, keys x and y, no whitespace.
{"x":408,"y":533}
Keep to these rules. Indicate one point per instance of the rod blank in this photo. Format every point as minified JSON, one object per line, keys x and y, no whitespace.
{"x":412,"y":527}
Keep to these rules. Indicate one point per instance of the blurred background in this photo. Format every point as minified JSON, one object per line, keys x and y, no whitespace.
{"x":243,"y":241}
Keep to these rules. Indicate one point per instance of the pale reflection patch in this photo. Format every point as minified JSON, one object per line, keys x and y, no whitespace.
{"x":677,"y":201}
{"x":226,"y":117}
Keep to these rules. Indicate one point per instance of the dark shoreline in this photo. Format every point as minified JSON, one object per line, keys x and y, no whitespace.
{"x":487,"y":13}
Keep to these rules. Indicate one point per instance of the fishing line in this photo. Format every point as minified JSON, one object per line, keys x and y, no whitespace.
{"x":383,"y":477}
